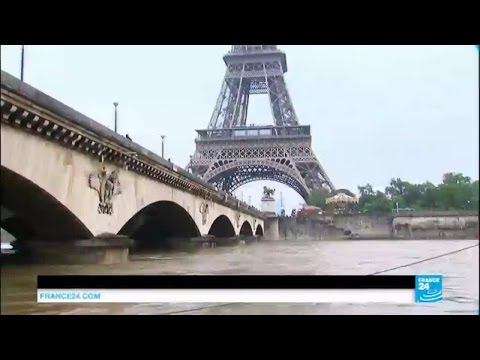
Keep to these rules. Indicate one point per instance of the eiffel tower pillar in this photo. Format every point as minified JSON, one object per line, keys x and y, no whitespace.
{"x":229,"y":153}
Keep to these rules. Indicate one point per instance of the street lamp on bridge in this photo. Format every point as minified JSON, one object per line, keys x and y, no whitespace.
{"x":163,"y":147}
{"x":22,"y":62}
{"x":115,"y":104}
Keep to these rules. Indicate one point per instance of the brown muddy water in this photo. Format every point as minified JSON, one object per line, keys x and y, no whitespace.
{"x":460,"y":271}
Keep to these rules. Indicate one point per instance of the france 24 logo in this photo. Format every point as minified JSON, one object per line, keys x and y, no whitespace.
{"x":428,"y":288}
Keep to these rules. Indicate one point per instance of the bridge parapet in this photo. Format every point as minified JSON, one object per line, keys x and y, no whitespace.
{"x":29,"y":109}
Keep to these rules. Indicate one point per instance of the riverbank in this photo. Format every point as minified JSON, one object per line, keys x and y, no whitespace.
{"x":427,"y":226}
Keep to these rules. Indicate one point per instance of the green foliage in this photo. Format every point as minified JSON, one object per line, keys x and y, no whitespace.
{"x":318,"y":197}
{"x":475,"y":195}
{"x":373,"y":202}
{"x":397,"y":188}
{"x":366,"y":190}
{"x":456,"y":192}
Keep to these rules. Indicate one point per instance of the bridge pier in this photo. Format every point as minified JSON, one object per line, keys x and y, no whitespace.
{"x":206,"y":241}
{"x":271,"y":229}
{"x":247,"y":239}
{"x":104,"y":249}
{"x":211,"y":241}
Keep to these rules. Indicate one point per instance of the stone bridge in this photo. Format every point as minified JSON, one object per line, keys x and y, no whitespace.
{"x":66,"y":177}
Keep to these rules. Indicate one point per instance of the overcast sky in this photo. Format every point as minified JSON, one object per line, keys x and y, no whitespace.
{"x":376,"y":112}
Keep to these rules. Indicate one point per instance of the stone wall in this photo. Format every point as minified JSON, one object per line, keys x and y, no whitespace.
{"x":365,"y":226}
{"x":432,"y":226}
{"x":308,"y":229}
{"x":435,"y":227}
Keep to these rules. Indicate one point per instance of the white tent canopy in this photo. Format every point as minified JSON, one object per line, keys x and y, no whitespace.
{"x":341,"y":198}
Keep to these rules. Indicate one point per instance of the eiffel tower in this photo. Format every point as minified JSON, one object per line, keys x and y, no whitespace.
{"x":230,"y":153}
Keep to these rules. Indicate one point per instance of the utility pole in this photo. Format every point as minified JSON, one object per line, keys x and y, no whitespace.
{"x":22,"y":62}
{"x":163,"y":145}
{"x":115,"y":104}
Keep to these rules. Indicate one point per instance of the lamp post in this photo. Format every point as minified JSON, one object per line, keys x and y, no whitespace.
{"x":22,"y":62}
{"x":115,"y":104}
{"x":163,"y":146}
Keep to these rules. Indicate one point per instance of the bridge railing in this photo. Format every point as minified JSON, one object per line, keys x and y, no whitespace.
{"x":108,"y":136}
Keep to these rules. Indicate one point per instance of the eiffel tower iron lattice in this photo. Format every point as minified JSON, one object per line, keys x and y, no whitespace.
{"x":230,"y":153}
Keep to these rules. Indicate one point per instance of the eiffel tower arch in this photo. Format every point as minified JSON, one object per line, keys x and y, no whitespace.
{"x":230,"y":153}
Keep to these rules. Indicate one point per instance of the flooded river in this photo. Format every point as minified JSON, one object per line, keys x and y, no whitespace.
{"x":460,"y":271}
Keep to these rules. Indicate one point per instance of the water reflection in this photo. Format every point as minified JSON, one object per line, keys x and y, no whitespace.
{"x":460,"y":272}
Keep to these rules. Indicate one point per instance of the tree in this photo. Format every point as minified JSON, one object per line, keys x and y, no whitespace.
{"x":456,"y":179}
{"x":318,"y":197}
{"x":366,"y":190}
{"x":430,"y":199}
{"x":396,"y":188}
{"x":413,"y":193}
{"x":456,"y":192}
{"x":373,"y":201}
{"x":475,"y":196}
{"x":381,"y":203}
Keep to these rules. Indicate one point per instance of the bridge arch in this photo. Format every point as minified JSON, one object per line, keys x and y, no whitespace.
{"x":159,"y":223}
{"x":230,"y":175}
{"x":222,"y":227}
{"x":259,"y":230}
{"x":34,"y":213}
{"x":246,"y":229}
